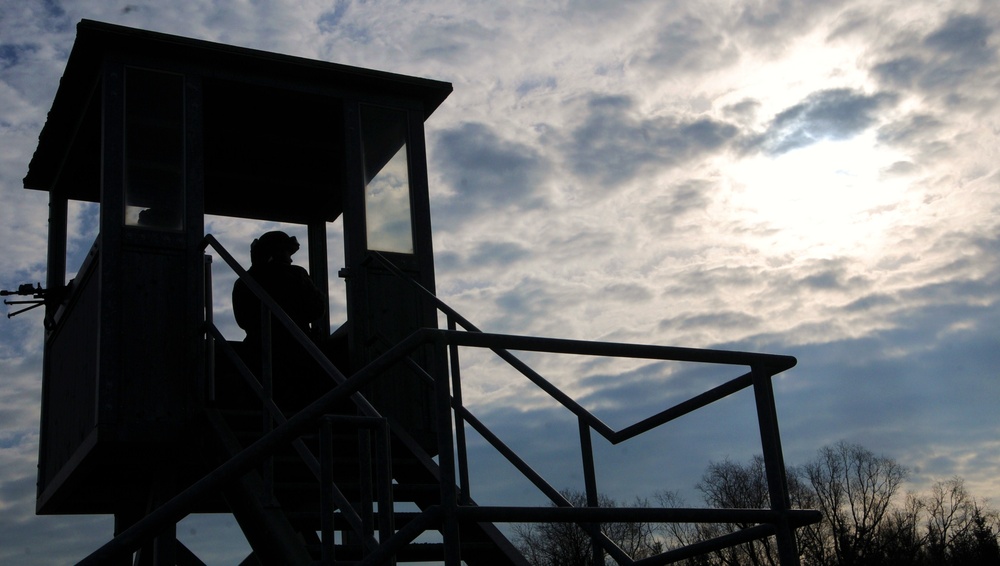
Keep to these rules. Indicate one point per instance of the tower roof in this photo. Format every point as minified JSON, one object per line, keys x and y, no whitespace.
{"x":269,"y":124}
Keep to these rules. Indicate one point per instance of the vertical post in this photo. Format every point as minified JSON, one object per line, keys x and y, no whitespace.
{"x":365,"y":481}
{"x":111,"y":227}
{"x":202,"y":352}
{"x":326,"y":503}
{"x":123,"y":520}
{"x":590,"y":484}
{"x":165,"y":547}
{"x":446,"y":454}
{"x":465,"y":495}
{"x":209,"y":390}
{"x":318,"y":270}
{"x":774,"y":465}
{"x":55,"y":277}
{"x":267,"y":382}
{"x":383,"y":473}
{"x":55,"y":271}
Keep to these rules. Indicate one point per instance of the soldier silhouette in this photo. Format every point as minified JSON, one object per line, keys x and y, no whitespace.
{"x":289,"y":285}
{"x":297,"y":378}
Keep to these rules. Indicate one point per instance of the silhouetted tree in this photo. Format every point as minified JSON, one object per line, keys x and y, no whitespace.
{"x":729,"y":485}
{"x":854,"y":489}
{"x":903,"y":541}
{"x":566,"y":544}
{"x":678,"y":535}
{"x":959,"y":529}
{"x":866,"y":520}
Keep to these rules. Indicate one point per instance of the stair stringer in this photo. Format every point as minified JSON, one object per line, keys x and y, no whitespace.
{"x":271,"y":535}
{"x":503,"y":553}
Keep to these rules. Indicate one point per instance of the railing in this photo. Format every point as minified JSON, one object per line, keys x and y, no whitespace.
{"x":288,"y":432}
{"x":456,"y":505}
{"x":780,"y":520}
{"x":320,"y":465}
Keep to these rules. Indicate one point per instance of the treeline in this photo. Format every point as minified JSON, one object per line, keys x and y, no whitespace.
{"x":868,"y":519}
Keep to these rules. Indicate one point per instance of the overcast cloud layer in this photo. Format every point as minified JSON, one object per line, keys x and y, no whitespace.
{"x":813,"y":178}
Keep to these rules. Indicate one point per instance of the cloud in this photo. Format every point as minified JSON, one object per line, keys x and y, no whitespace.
{"x":486,"y":173}
{"x":956,"y":62}
{"x":330,"y":20}
{"x":615,"y":143}
{"x":627,"y":292}
{"x":11,"y":54}
{"x":916,"y":131}
{"x":583,"y":185}
{"x":452,"y":40}
{"x":965,"y":38}
{"x":536,"y":83}
{"x":723,"y":320}
{"x":834,"y":114}
{"x":690,"y":44}
{"x":500,"y":253}
{"x":772,"y":26}
{"x":674,"y":208}
{"x":742,"y":111}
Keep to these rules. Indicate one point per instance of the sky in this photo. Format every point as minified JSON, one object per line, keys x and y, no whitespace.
{"x":814,"y":178}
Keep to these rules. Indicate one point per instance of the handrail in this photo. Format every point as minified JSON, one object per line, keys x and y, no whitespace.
{"x":312,"y":349}
{"x":287,"y":432}
{"x":611,"y":349}
{"x":775,"y":521}
{"x":782,"y":519}
{"x":263,"y":393}
{"x":570,"y":513}
{"x":308,"y":418}
{"x":502,"y":344}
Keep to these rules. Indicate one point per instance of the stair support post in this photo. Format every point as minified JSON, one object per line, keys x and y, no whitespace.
{"x":383,"y":486}
{"x":465,"y":495}
{"x":590,"y":484}
{"x":446,"y":453}
{"x":326,"y":503}
{"x":774,"y":465}
{"x":267,"y":382}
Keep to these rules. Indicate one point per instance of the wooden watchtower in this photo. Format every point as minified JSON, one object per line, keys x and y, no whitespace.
{"x":142,"y":419}
{"x":160,"y":131}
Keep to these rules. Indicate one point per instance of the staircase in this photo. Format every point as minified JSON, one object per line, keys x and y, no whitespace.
{"x":286,"y":514}
{"x":336,"y":482}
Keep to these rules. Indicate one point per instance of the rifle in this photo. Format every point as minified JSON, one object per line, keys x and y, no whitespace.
{"x":38,"y":296}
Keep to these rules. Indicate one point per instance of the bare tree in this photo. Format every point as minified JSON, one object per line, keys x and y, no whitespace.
{"x":566,"y":544}
{"x":854,"y":489}
{"x":732,"y":485}
{"x":867,"y":521}
{"x":903,"y":542}
{"x":981,"y":545}
{"x":677,"y":535}
{"x":959,"y":529}
{"x":813,"y":540}
{"x":949,"y":515}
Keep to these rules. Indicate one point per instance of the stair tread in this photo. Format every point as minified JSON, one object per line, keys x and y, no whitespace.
{"x":298,"y":493}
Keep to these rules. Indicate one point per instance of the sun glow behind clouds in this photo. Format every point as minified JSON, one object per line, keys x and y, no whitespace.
{"x":825,"y":200}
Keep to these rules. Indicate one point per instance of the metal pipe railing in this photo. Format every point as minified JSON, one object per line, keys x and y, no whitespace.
{"x":455,"y":498}
{"x":762,"y":368}
{"x":308,"y":418}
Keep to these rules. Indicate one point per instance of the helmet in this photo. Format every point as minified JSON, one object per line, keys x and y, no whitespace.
{"x":271,"y":243}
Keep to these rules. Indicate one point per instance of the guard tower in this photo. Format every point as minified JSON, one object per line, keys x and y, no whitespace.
{"x":160,"y":131}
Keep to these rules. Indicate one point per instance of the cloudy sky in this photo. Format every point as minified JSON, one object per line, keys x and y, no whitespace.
{"x":815,"y":178}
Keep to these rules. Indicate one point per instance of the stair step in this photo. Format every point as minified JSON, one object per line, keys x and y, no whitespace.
{"x":312,"y":519}
{"x":297,"y":494}
{"x":415,"y":552}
